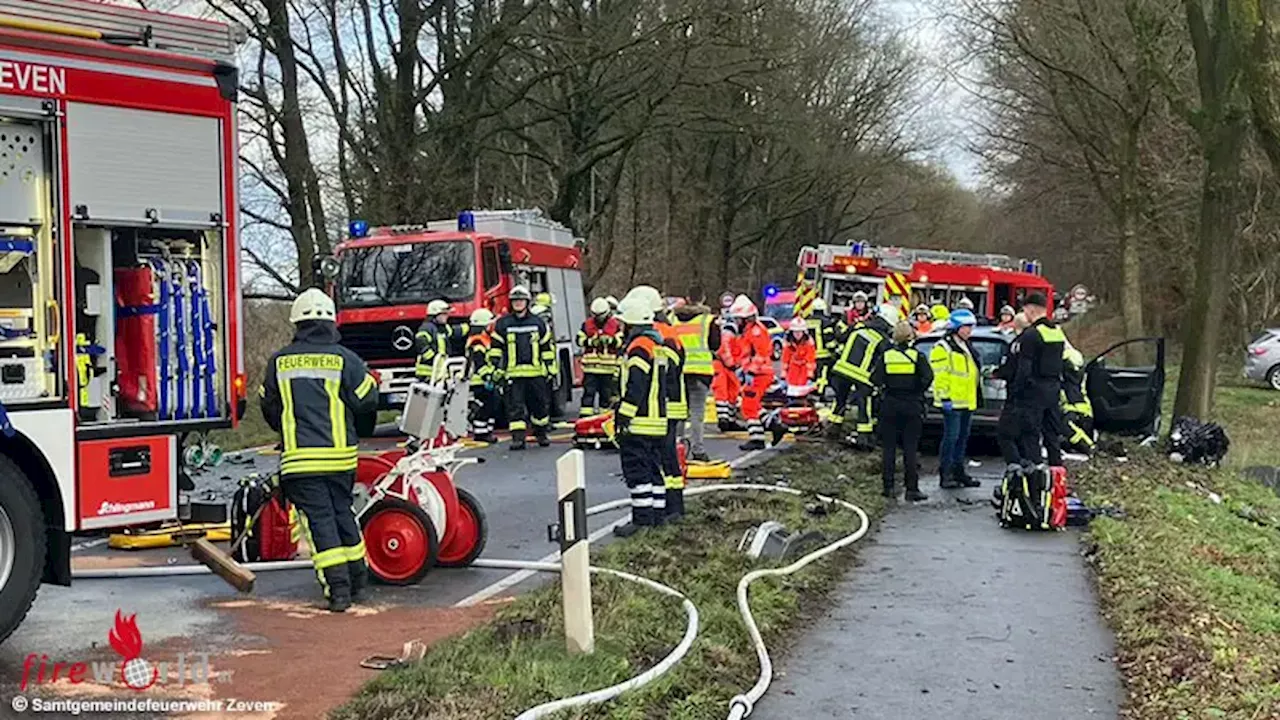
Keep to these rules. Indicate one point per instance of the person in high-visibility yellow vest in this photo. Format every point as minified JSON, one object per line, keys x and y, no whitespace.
{"x":824,"y":330}
{"x":901,"y":375}
{"x":957,"y":391}
{"x":851,"y":375}
{"x":700,"y":335}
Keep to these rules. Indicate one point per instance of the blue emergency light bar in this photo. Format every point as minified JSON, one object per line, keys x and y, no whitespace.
{"x":858,"y":248}
{"x":466,"y":221}
{"x":770,"y":291}
{"x":358,"y":228}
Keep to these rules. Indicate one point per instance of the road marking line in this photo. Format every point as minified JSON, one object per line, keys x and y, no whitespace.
{"x":520,"y":576}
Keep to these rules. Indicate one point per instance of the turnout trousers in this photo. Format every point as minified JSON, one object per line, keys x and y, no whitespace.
{"x":901,"y":423}
{"x":1027,"y":423}
{"x":527,"y":405}
{"x":641,"y":458}
{"x":330,"y":527}
{"x":672,"y":475}
{"x":598,"y":391}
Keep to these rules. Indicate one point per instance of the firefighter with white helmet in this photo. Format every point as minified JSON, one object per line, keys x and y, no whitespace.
{"x":313,"y":393}
{"x":799,"y":355}
{"x":672,"y":498}
{"x":851,"y":373}
{"x":753,"y":350}
{"x":1006,"y":323}
{"x":433,"y":339}
{"x":480,"y":370}
{"x":600,"y":339}
{"x":860,"y":311}
{"x":523,"y":353}
{"x":641,"y":419}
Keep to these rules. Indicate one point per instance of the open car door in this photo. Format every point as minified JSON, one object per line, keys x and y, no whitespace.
{"x":1126,"y":386}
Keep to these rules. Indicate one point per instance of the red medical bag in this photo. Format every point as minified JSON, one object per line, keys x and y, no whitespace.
{"x":136,"y":359}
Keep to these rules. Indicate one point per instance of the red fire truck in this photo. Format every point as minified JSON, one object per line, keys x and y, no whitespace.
{"x":991,"y":281}
{"x":119,"y":291}
{"x":386,"y":276}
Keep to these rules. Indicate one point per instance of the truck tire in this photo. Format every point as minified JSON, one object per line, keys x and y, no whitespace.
{"x":23,"y":546}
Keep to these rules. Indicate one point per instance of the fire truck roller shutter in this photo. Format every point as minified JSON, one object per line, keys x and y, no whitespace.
{"x":130,"y":165}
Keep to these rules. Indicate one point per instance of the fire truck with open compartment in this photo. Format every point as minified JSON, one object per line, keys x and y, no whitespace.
{"x":990,"y":280}
{"x":385,"y":276}
{"x":120,"y":310}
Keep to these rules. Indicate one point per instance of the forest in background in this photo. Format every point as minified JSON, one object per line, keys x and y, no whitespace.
{"x":1127,"y":144}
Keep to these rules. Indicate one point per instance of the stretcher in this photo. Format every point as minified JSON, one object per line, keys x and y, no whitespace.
{"x":594,"y":432}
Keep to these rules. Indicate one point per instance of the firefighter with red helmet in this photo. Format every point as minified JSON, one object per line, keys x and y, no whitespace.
{"x":753,"y":350}
{"x":601,"y":341}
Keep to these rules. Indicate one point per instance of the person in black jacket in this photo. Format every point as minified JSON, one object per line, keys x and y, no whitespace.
{"x":1032,"y":415}
{"x":903,"y":375}
{"x":313,"y":392}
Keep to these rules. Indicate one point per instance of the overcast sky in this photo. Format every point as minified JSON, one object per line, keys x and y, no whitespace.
{"x":951,"y":106}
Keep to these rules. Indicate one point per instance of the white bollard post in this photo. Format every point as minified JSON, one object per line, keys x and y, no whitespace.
{"x":575,"y":561}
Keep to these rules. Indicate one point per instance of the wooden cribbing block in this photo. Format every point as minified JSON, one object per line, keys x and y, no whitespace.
{"x":222,"y":564}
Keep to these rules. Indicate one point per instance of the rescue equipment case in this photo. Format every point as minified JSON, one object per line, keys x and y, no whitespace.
{"x":1034,"y":499}
{"x":270,"y":534}
{"x":136,"y":358}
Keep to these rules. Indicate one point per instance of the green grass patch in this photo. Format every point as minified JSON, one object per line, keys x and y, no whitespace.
{"x":1191,"y":586}
{"x":519,"y":660}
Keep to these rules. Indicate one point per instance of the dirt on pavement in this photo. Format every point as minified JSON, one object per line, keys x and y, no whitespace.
{"x":308,"y":660}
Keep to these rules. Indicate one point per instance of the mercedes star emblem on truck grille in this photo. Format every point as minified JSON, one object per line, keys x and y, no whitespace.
{"x":402,"y":338}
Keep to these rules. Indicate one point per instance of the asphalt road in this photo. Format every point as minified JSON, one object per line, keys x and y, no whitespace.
{"x":949,"y":616}
{"x":200,"y":613}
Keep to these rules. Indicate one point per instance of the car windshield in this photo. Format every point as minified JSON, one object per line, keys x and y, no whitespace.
{"x":408,"y":274}
{"x":780,"y":311}
{"x":990,"y":350}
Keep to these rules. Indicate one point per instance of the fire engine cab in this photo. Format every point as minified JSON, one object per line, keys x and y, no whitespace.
{"x":385,"y":276}
{"x":119,"y":290}
{"x":990,"y":280}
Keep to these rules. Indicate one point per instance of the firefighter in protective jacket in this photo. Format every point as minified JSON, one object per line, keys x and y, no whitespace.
{"x":824,"y":329}
{"x":523,"y":353}
{"x":433,"y":339}
{"x":601,"y":340}
{"x":1032,"y":414}
{"x":313,"y":392}
{"x":1077,"y":410}
{"x":642,"y":416}
{"x":851,"y":374}
{"x":480,"y":371}
{"x":677,"y":400}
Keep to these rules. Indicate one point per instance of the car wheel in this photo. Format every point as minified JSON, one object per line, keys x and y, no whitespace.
{"x":1273,"y":377}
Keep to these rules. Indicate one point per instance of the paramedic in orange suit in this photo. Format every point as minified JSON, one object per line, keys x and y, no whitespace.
{"x":725,"y":386}
{"x":753,"y":350}
{"x":799,"y":354}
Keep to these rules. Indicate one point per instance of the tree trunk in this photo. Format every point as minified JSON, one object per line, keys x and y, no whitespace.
{"x":1217,"y":248}
{"x":1131,"y":289}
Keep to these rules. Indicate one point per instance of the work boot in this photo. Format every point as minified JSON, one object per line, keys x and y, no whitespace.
{"x":915,"y":496}
{"x":756,"y":444}
{"x":517,"y":440}
{"x":339,"y":604}
{"x":543,"y":440}
{"x":626,"y":531}
{"x":965,"y":480}
{"x":947,"y":479}
{"x":359,"y":582}
{"x":700,"y":457}
{"x":779,"y":432}
{"x":888,"y":491}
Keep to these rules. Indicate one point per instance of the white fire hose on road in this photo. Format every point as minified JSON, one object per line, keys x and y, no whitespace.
{"x":739,"y":707}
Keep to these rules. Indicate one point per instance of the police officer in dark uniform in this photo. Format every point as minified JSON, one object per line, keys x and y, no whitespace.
{"x":523,"y":352}
{"x":1034,"y":372}
{"x":903,"y":375}
{"x":313,"y":392}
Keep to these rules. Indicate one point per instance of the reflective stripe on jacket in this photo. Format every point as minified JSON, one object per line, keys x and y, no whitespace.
{"x":313,"y":391}
{"x":677,"y":402}
{"x":600,"y":343}
{"x":643,"y":409}
{"x":523,"y":346}
{"x":955,"y":374}
{"x":860,"y":351}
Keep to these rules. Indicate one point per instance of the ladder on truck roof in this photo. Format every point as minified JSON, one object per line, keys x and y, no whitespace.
{"x":121,"y":25}
{"x":903,"y":258}
{"x":522,"y":224}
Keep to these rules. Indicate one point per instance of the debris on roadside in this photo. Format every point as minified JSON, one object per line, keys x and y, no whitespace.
{"x":1195,"y":442}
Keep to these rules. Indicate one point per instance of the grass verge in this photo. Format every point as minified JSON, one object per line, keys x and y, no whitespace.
{"x":519,"y":660}
{"x":1188,"y":582}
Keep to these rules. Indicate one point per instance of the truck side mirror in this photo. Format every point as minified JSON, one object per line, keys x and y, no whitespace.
{"x":504,"y":258}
